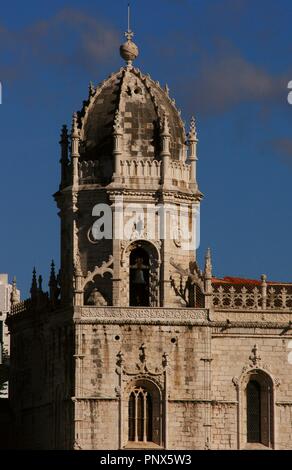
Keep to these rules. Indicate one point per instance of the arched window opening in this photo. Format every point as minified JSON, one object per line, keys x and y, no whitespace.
{"x":139,"y":278}
{"x":259,"y":409}
{"x":140,"y":415}
{"x":253,"y":412}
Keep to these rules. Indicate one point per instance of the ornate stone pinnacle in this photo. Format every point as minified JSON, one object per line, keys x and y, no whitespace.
{"x":165,"y":125}
{"x":193,"y":131}
{"x":75,"y":131}
{"x":34,"y":281}
{"x":208,"y":263}
{"x":53,"y":274}
{"x":117,"y":121}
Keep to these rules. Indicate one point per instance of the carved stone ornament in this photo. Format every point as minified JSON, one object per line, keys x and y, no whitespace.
{"x":193,"y":273}
{"x":141,"y":367}
{"x":255,"y":364}
{"x":99,"y":270}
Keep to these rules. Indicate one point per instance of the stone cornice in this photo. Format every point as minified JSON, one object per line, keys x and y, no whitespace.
{"x":140,"y":315}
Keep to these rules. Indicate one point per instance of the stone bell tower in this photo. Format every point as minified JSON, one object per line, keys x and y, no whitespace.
{"x":127,"y":192}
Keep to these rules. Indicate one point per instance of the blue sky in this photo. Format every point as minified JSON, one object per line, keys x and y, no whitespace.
{"x":227,"y":62}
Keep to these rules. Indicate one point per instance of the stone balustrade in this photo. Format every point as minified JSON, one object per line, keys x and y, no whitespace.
{"x":138,"y":169}
{"x":252,"y":297}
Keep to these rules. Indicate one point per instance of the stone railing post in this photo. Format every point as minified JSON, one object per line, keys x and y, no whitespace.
{"x":264,"y":291}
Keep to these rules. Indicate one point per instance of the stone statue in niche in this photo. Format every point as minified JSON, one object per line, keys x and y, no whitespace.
{"x":96,"y":298}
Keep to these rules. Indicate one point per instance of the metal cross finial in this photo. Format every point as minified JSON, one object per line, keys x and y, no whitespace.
{"x":129,"y":34}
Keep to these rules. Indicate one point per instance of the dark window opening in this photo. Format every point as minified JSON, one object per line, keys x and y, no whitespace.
{"x":253,"y":412}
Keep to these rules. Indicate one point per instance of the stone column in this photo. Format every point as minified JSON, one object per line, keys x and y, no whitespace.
{"x":165,"y":153}
{"x":207,"y":359}
{"x":64,"y":157}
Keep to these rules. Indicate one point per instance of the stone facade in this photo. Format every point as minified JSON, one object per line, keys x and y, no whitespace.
{"x":134,"y":346}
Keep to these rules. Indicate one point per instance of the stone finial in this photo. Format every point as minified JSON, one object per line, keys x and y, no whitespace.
{"x":53,"y":283}
{"x":34,"y":286}
{"x":75,"y":130}
{"x":40,"y":281}
{"x":192,"y":136}
{"x":14,"y":298}
{"x":166,"y":89}
{"x":52,"y":274}
{"x":208,"y":264}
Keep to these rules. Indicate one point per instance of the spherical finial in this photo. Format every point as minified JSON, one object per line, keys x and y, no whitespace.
{"x":129,"y":51}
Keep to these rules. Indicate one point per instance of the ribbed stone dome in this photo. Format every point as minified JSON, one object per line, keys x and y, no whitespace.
{"x":141,"y":103}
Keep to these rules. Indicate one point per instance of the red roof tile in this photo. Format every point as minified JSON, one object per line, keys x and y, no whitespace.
{"x":241,"y":280}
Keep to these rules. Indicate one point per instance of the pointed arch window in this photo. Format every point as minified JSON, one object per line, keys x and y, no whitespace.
{"x":146,"y":414}
{"x":140,"y":415}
